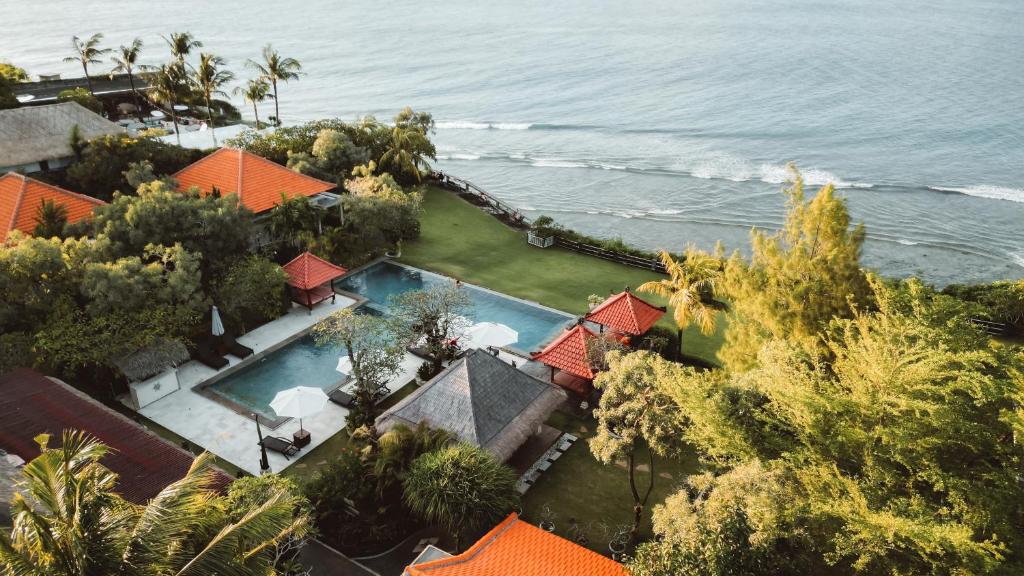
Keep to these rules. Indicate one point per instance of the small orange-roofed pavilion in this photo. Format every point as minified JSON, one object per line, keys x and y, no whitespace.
{"x":312,"y":279}
{"x":626,"y":313}
{"x":568,"y":355}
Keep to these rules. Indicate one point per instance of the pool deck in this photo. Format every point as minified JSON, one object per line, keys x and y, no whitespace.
{"x":232,"y":436}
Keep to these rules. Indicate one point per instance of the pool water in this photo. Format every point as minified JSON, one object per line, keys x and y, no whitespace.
{"x":384,"y":280}
{"x":303,"y":363}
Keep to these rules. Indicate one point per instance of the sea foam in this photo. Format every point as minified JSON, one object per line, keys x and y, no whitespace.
{"x":985,"y":191}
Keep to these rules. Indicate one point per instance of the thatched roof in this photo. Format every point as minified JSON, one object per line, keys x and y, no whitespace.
{"x":34,"y":133}
{"x":483,"y":401}
{"x":152,"y":360}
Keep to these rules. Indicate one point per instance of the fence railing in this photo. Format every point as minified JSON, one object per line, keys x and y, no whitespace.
{"x":991,"y":328}
{"x":614,"y":256}
{"x":501,"y":209}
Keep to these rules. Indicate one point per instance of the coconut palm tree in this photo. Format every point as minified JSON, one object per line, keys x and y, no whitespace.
{"x":169,"y":85}
{"x":690,"y":289}
{"x":125,"y":60}
{"x":400,"y":446}
{"x":87,"y":52}
{"x":50,"y":219}
{"x":274,"y":68}
{"x":68,"y":522}
{"x":210,"y":78}
{"x":181,"y":45}
{"x":406,"y":152}
{"x":255,"y":91}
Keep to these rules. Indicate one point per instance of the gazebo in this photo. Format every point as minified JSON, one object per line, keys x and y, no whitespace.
{"x":312,"y":279}
{"x":626,"y":314}
{"x":567,"y":357}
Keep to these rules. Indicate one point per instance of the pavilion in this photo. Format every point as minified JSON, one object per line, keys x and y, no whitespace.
{"x":312,"y":279}
{"x":626,"y":314}
{"x":568,"y":359}
{"x":21,"y":198}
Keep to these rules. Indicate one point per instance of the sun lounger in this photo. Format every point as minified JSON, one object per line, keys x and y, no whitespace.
{"x":280,"y":445}
{"x":205,"y":354}
{"x":230,"y":346}
{"x":341,"y":398}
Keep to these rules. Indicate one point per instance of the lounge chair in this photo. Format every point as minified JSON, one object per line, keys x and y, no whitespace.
{"x":230,"y":346}
{"x":206,"y":354}
{"x":280,"y":445}
{"x":341,"y":398}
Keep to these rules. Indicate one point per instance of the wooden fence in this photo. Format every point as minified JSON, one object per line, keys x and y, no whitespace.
{"x":991,"y":328}
{"x":614,"y":256}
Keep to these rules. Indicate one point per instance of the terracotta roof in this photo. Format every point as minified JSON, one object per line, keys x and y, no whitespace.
{"x":626,"y":313}
{"x":20,"y":197}
{"x":516,"y":548}
{"x":307,"y":271}
{"x":568,"y":352}
{"x":32,"y":404}
{"x":258,"y":182}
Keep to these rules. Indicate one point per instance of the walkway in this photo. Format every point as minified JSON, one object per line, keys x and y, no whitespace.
{"x":322,"y":560}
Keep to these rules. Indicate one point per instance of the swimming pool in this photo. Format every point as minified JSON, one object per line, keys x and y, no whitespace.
{"x":303,"y":363}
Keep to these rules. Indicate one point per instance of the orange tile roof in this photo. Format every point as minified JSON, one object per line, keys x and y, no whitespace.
{"x":568,"y":352}
{"x":516,"y":548}
{"x":21,"y":196}
{"x":626,"y":313}
{"x":258,"y":182}
{"x":307,"y":271}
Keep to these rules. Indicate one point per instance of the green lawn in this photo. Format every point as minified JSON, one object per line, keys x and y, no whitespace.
{"x":460,"y":240}
{"x":597,"y":496}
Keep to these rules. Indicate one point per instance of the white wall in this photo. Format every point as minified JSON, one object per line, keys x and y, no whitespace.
{"x":149,"y":391}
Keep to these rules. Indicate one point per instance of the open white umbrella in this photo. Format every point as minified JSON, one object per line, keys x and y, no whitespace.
{"x":344,"y":365}
{"x":299,"y":402}
{"x":216,"y":325}
{"x":491,"y":334}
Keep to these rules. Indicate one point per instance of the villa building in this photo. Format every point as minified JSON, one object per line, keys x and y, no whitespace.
{"x":21,"y":198}
{"x":37,"y":138}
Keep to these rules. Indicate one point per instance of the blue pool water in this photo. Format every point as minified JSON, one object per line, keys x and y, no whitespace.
{"x":303,"y":363}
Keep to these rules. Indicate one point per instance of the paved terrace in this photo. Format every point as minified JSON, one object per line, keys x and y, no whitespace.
{"x":232,"y":436}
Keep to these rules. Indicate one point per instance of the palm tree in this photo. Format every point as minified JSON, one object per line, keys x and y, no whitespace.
{"x":50,"y":219}
{"x":405,"y":153}
{"x":400,"y":446}
{"x":87,"y":52}
{"x":68,"y":522}
{"x":210,"y":79}
{"x":690,"y":289}
{"x":274,"y":68}
{"x":290,"y":217}
{"x":124,"y":62}
{"x":256,"y":90}
{"x":182,"y":44}
{"x":169,"y":85}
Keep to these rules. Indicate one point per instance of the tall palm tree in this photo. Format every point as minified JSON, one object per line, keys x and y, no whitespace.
{"x":210,"y":79}
{"x":169,"y":85}
{"x":274,"y":68}
{"x":181,"y":45}
{"x":690,"y":289}
{"x":68,"y":522}
{"x":254,"y":91}
{"x":125,"y":60}
{"x":405,"y":152}
{"x":87,"y":52}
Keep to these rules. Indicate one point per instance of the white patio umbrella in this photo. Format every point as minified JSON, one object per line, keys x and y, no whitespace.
{"x":344,"y":365}
{"x":216,"y":325}
{"x":491,"y":334}
{"x":299,"y":402}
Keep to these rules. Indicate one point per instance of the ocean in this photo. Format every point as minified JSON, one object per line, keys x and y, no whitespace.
{"x":663,"y":123}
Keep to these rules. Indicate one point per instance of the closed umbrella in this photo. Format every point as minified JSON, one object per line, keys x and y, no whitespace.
{"x":216,"y":325}
{"x":299,"y":402}
{"x":492,"y":334}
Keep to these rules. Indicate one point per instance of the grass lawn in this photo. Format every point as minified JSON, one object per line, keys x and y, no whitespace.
{"x":597,"y":496}
{"x":460,"y":240}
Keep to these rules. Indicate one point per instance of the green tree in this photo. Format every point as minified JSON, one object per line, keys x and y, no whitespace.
{"x":7,"y":98}
{"x":50,"y":219}
{"x":12,"y":73}
{"x":408,"y":148}
{"x":160,"y":276}
{"x":251,"y":290}
{"x":256,"y":90}
{"x":276,"y":69}
{"x":399,"y":447}
{"x":690,"y":289}
{"x":82,"y":97}
{"x":633,"y":410}
{"x":182,"y":44}
{"x":169,"y":86}
{"x":246,"y":494}
{"x":436,"y":315}
{"x":210,"y":78}
{"x":104,"y":162}
{"x":34,"y":276}
{"x":374,"y":348}
{"x":125,"y":61}
{"x":290,"y":218}
{"x":798,"y":279}
{"x":87,"y":52}
{"x":461,"y":488}
{"x":336,"y":154}
{"x":68,"y":522}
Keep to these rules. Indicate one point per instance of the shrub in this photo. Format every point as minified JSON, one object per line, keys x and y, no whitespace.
{"x":83,"y":98}
{"x":104,"y":161}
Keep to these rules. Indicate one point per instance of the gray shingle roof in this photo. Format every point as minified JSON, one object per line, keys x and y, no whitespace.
{"x":34,"y":133}
{"x":482,"y":400}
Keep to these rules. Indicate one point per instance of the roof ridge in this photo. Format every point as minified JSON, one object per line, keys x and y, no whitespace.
{"x":18,"y":201}
{"x":241,"y":174}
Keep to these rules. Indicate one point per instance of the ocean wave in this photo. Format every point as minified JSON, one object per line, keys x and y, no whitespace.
{"x":557,"y":163}
{"x":1018,"y":258}
{"x":458,"y":156}
{"x":906,"y":242}
{"x":739,"y":170}
{"x":985,"y":191}
{"x":471,"y":125}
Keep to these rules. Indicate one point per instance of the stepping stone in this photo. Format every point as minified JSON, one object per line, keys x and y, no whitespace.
{"x":322,"y":463}
{"x":544,"y":465}
{"x":665,"y":475}
{"x":570,"y":438}
{"x":643,"y":468}
{"x":554,"y":456}
{"x":522,"y":488}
